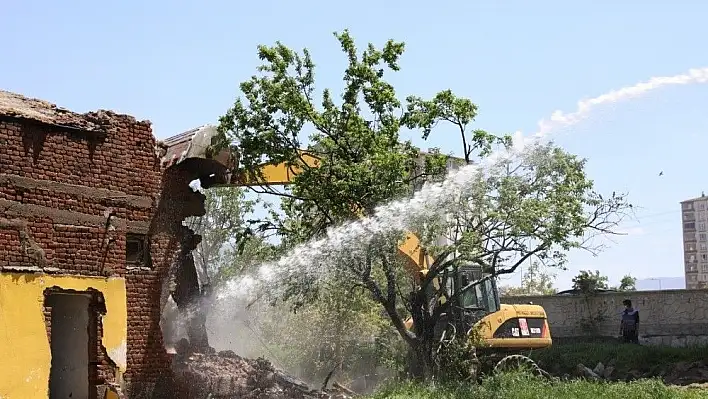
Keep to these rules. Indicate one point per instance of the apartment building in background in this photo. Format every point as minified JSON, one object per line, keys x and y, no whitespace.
{"x":695,"y":241}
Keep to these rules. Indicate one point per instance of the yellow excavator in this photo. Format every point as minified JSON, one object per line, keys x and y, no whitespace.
{"x":503,"y":328}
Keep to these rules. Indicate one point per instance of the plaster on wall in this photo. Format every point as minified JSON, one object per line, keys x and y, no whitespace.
{"x":24,"y":346}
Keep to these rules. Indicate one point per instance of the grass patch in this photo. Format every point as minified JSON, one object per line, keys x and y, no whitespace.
{"x":523,"y":386}
{"x":565,"y":358}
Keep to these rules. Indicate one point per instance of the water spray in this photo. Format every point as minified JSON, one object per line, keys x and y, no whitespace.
{"x":313,"y":258}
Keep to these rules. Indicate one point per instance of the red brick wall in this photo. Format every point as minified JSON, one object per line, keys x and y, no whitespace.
{"x":59,"y":185}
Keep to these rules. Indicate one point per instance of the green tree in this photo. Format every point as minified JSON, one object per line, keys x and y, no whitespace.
{"x":339,"y":332}
{"x":534,"y":207}
{"x":362,"y":161}
{"x":628,"y":283}
{"x":536,"y":281}
{"x":588,"y":282}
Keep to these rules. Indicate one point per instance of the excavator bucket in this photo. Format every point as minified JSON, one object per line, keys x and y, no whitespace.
{"x":197,"y":143}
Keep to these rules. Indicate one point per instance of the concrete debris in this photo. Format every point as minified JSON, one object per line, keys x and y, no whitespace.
{"x":681,"y":374}
{"x":586,"y":372}
{"x":599,"y":369}
{"x":227,"y":375}
{"x":687,"y":373}
{"x":603,"y":372}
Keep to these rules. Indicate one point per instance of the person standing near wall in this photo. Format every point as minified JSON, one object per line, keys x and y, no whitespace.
{"x":629,"y":324}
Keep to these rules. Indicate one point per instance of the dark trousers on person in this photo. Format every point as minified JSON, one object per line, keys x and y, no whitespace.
{"x":630,"y":337}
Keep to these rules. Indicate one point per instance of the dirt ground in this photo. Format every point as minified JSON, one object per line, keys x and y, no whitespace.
{"x":227,"y":375}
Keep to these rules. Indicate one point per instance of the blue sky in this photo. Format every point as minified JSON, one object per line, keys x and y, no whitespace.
{"x":179,"y":63}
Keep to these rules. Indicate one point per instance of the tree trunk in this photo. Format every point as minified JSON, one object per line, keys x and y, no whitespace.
{"x":420,"y":357}
{"x":420,"y":362}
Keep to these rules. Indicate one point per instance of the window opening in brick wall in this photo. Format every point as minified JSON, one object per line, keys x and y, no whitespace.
{"x":137,"y":251}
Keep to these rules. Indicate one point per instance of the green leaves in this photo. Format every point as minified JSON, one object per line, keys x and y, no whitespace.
{"x":445,"y":106}
{"x":588,"y":282}
{"x":628,"y":283}
{"x":536,"y":280}
{"x":534,"y":207}
{"x":460,"y":112}
{"x":362,"y":162}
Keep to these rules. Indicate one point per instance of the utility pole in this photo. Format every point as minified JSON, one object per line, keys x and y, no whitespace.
{"x":528,"y":287}
{"x":521,"y":275}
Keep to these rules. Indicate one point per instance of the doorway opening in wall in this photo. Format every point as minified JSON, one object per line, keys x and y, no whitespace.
{"x":69,"y":340}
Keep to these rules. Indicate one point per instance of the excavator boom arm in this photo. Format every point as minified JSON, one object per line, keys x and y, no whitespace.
{"x":195,"y":144}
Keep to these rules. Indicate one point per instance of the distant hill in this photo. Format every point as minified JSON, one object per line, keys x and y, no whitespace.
{"x":667,"y":283}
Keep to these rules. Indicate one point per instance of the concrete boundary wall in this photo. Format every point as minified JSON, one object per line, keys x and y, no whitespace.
{"x":669,"y":317}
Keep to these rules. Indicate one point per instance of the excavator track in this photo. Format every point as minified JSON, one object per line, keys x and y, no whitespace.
{"x":519,"y":362}
{"x":491,"y":361}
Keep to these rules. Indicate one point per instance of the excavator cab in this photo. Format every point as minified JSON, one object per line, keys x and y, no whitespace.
{"x":500,"y":326}
{"x":477,"y":296}
{"x":478,"y":293}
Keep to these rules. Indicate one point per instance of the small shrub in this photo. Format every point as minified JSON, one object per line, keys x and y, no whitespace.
{"x":457,"y":361}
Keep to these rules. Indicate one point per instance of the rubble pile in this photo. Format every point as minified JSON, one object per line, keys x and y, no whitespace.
{"x":682,"y":373}
{"x":687,"y":373}
{"x":227,"y":375}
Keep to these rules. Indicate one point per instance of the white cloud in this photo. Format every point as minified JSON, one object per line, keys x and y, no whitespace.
{"x":560,"y":118}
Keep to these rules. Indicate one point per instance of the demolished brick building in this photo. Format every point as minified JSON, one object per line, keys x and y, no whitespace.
{"x":90,"y":233}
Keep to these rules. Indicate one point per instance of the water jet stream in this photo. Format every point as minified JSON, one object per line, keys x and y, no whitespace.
{"x":314,"y":257}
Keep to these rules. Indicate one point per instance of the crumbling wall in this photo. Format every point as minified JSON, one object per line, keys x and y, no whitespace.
{"x":89,"y":195}
{"x":73,"y":187}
